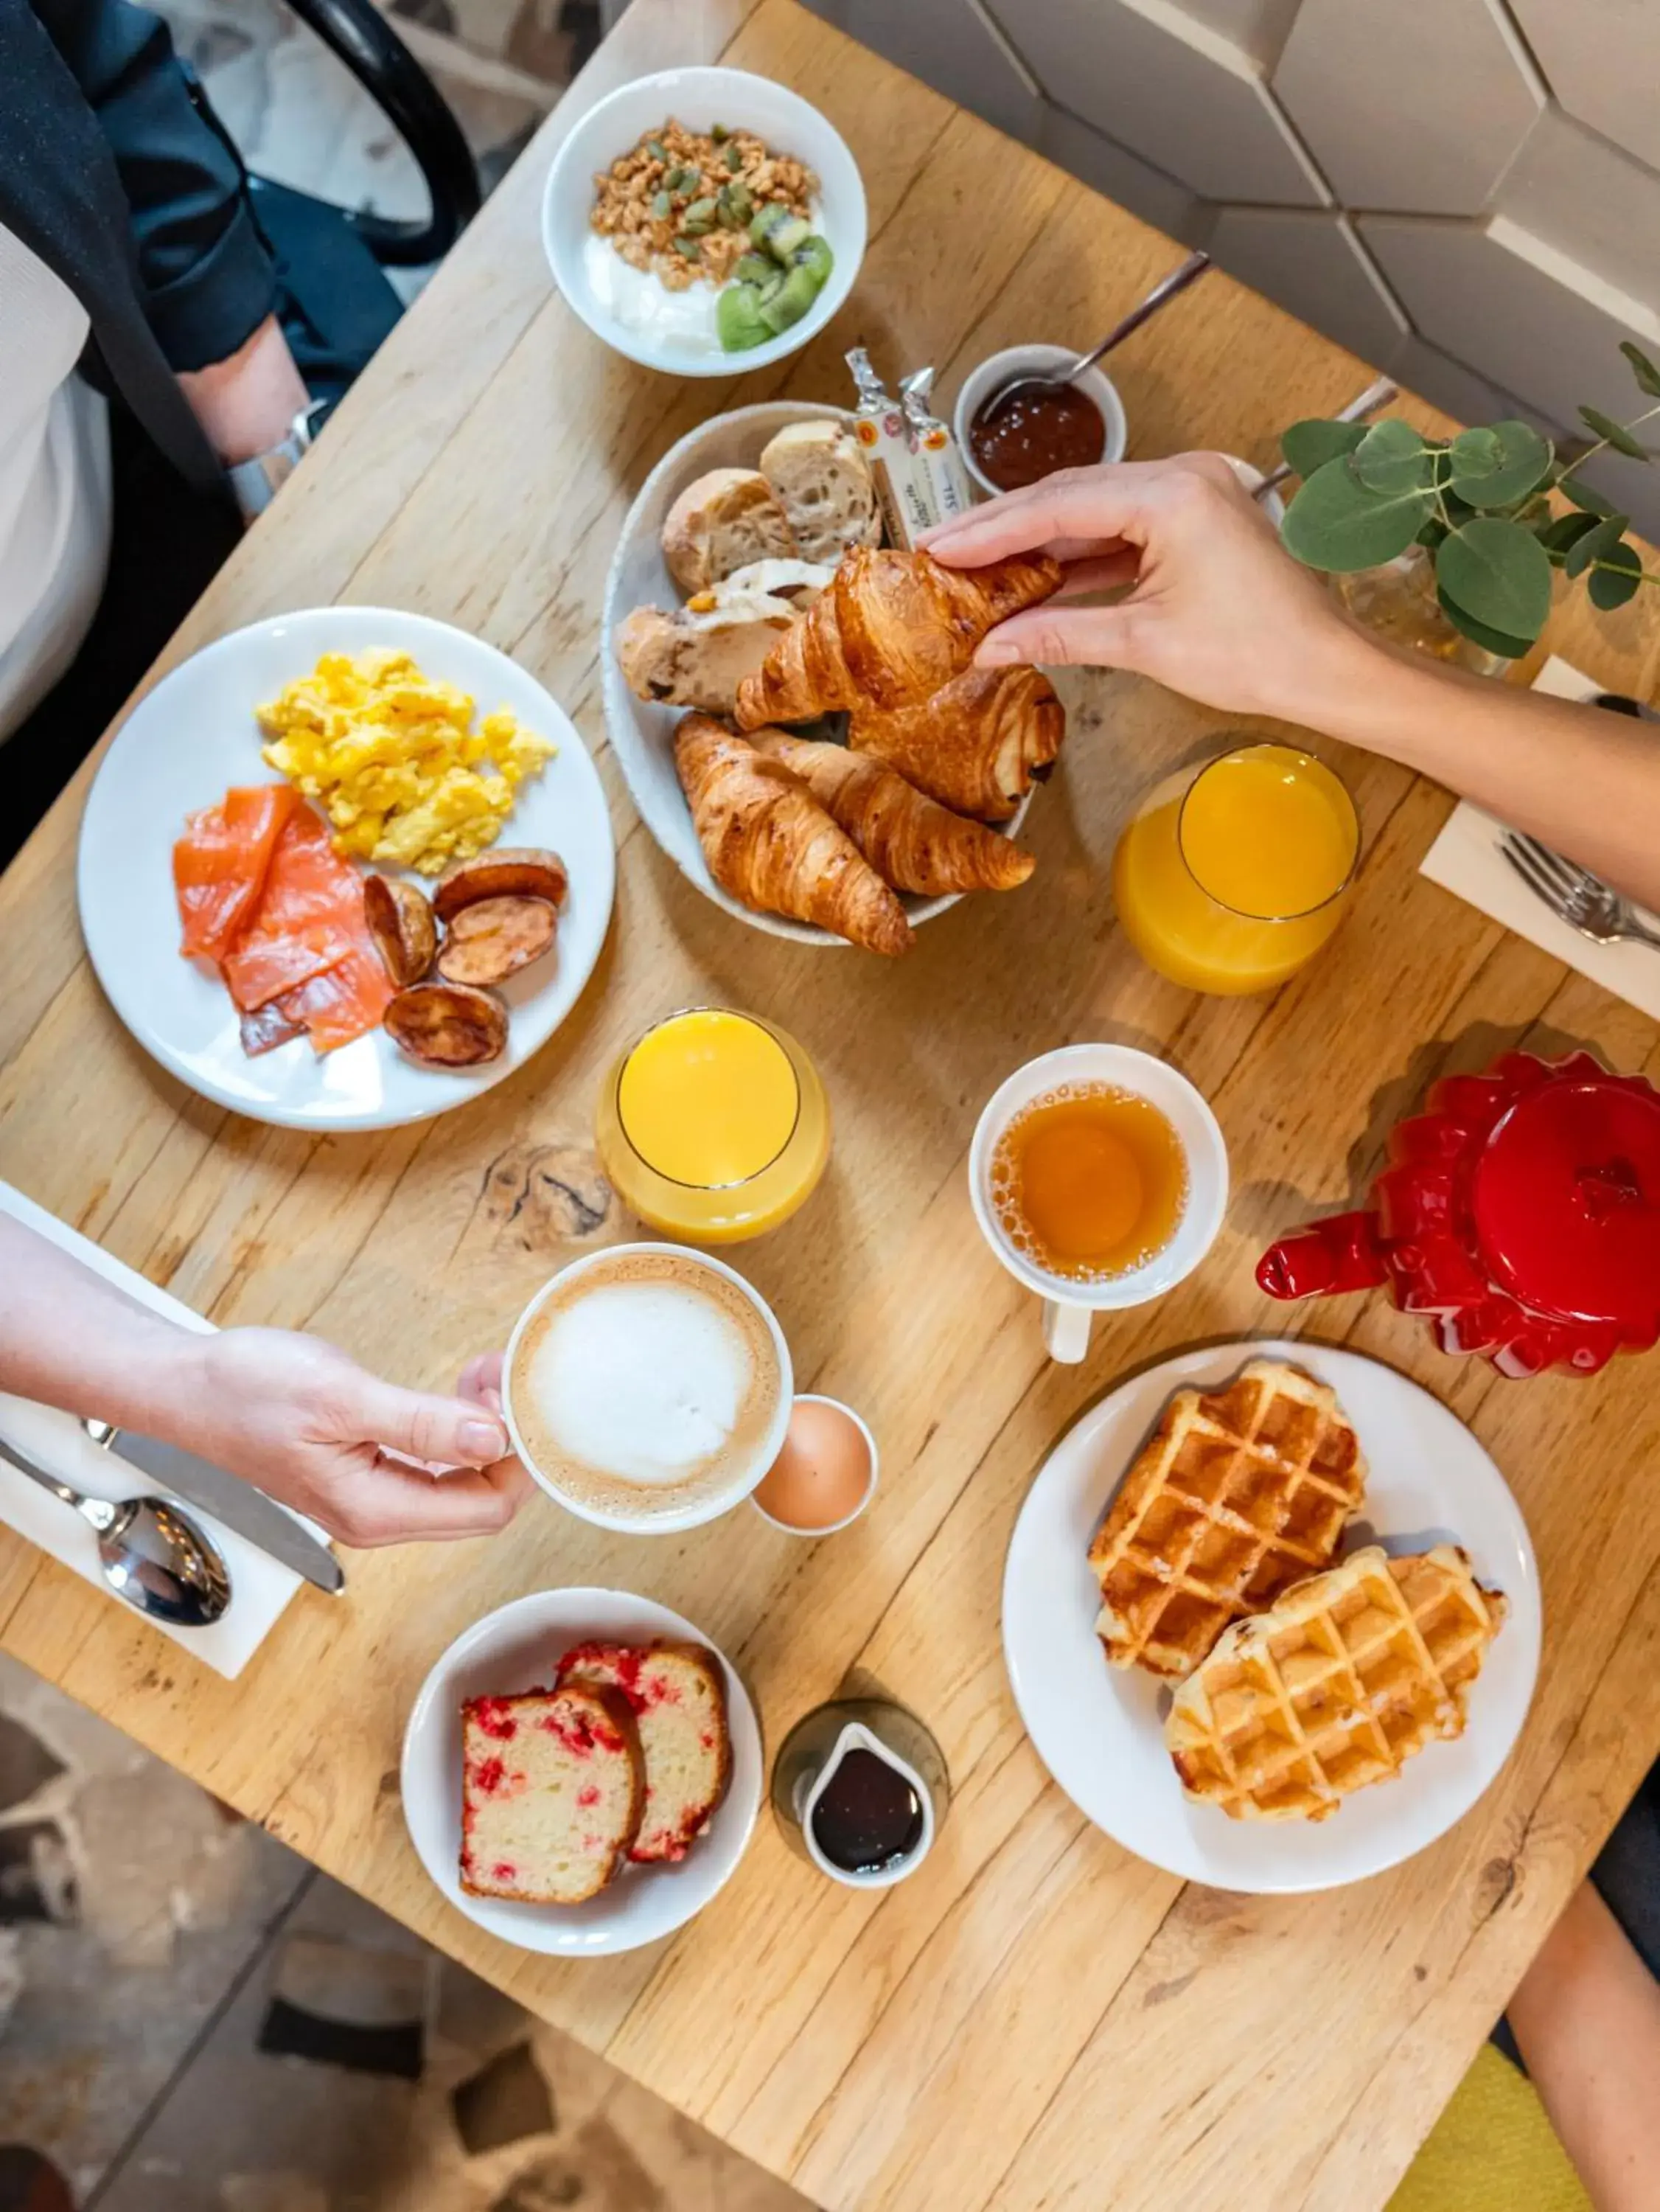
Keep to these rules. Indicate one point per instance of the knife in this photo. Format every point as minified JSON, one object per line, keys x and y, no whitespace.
{"x":236,"y":1502}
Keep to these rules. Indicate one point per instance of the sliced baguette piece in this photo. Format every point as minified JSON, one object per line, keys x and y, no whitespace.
{"x":677,"y":1693}
{"x":699,"y":656}
{"x":553,"y":1791}
{"x":724,"y":521}
{"x":820,"y":478}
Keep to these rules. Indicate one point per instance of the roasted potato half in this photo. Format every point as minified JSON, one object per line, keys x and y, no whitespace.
{"x":448,"y":1024}
{"x":503,"y":872}
{"x":494,"y":939}
{"x":402,"y":925}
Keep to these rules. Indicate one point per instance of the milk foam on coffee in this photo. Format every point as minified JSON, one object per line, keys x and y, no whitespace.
{"x":646,"y":1383}
{"x":656,"y":1419}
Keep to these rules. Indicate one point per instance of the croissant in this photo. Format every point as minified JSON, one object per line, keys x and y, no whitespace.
{"x":976,"y":745}
{"x":770,"y":843}
{"x":891,"y":629}
{"x":910,"y":842}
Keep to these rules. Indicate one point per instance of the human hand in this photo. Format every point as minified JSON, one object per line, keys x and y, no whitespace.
{"x":374,"y":1464}
{"x":1216,"y":609}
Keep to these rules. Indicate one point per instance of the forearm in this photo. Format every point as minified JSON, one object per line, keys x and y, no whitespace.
{"x":68,"y":1338}
{"x":247,"y":402}
{"x":1587,"y":2022}
{"x":1585,"y":783}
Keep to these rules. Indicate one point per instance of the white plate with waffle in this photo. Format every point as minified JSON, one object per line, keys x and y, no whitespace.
{"x":1100,"y":1730}
{"x":517,"y":1649}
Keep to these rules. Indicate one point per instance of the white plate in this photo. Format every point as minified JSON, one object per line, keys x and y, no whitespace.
{"x":1100,"y":1733}
{"x":699,"y":98}
{"x":518,"y":1648}
{"x":193,"y":737}
{"x":642,"y":733}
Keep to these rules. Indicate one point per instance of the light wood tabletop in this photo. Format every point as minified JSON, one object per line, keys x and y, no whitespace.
{"x":1037,"y":2018}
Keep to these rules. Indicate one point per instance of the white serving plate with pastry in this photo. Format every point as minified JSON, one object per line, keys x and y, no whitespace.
{"x":641,"y":731}
{"x":1099,"y":1730}
{"x":515,"y":1648}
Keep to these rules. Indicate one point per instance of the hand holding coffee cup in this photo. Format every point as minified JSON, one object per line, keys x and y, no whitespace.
{"x":647,"y":1388}
{"x":1099,"y":1177}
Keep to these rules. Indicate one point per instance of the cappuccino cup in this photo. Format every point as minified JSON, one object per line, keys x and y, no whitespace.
{"x":647,"y":1388}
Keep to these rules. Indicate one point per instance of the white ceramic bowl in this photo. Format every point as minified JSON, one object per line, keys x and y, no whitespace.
{"x":517,"y":1648}
{"x":1197,"y":1129}
{"x":699,"y":98}
{"x":708,"y":1508}
{"x":1034,"y":360}
{"x":642,"y":734}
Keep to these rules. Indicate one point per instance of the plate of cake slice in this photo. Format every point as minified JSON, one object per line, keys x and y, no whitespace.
{"x":1271,"y":1616}
{"x":581,"y":1771}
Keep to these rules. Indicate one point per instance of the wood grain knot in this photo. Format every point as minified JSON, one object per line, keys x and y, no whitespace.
{"x":543,"y":1197}
{"x":1493,"y":1884}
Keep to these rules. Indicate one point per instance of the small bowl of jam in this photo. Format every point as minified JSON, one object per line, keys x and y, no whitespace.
{"x":1070,"y":427}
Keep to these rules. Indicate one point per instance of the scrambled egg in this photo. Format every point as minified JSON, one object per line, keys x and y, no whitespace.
{"x":392,"y":758}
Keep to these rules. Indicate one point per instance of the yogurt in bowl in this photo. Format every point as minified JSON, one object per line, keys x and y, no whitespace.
{"x":684,"y":328}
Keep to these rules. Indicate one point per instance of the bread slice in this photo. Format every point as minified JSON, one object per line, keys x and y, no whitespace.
{"x":800,"y":583}
{"x":720,"y":522}
{"x":677,"y":1693}
{"x":820,"y":478}
{"x":698,"y":658}
{"x":552,"y":1792}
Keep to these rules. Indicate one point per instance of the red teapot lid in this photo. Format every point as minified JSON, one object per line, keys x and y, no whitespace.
{"x":1565,"y":1199}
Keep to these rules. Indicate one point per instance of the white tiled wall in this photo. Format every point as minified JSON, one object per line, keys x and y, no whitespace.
{"x":1464,"y":192}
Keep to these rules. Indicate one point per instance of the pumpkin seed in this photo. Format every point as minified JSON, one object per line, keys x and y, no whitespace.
{"x":734,"y":159}
{"x":689,"y":249}
{"x":699,"y":217}
{"x":661,"y":206}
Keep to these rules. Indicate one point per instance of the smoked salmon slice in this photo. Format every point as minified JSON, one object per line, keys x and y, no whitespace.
{"x":220,"y":865}
{"x":262,"y":890}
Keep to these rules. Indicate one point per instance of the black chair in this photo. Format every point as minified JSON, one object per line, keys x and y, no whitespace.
{"x":336,"y":303}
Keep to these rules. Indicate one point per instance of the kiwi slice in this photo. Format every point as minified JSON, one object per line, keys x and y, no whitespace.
{"x":792,"y":299}
{"x":740,"y":319}
{"x":756,"y":269}
{"x":814,"y":253}
{"x":777,"y":232}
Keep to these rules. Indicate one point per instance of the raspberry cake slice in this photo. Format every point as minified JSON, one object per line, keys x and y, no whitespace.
{"x":553,"y":1789}
{"x":677,"y":1694}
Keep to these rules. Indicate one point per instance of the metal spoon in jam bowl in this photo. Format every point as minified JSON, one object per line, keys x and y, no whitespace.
{"x":152,"y":1553}
{"x":1029,"y":389}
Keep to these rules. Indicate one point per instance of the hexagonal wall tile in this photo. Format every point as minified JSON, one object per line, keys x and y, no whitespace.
{"x":948,"y":45}
{"x":1588,"y":200}
{"x":1601,"y":59}
{"x":1122,"y":176}
{"x":1311,"y":262}
{"x":1258,"y":27}
{"x":1417,"y":105}
{"x":1169,"y":88}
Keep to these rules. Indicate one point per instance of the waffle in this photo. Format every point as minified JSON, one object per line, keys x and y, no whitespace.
{"x":1336,"y":1686}
{"x":1237,"y":1493}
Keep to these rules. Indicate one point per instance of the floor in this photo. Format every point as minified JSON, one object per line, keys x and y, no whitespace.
{"x":193,"y":2020}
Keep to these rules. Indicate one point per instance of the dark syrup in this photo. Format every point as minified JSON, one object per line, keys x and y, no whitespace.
{"x":869,"y":1818}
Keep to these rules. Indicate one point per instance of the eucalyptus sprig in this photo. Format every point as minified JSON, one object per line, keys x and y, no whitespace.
{"x":1479,"y":503}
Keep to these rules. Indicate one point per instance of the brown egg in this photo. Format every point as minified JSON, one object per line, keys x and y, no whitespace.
{"x":826,"y":1471}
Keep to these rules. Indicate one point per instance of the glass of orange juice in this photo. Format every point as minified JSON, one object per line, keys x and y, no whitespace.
{"x":713,"y":1126}
{"x":1229,"y":878}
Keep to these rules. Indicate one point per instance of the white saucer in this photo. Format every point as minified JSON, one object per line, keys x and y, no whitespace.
{"x":518,"y":1648}
{"x":1100,"y":1733}
{"x":192,"y":738}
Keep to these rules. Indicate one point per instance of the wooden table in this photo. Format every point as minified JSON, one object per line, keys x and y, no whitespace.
{"x":1038,"y":2018}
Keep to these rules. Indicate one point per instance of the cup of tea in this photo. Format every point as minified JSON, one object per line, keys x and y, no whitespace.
{"x":647,"y":1388}
{"x":1098,"y":1176}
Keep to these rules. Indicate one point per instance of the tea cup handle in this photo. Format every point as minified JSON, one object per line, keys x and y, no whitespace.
{"x":1066,"y":1331}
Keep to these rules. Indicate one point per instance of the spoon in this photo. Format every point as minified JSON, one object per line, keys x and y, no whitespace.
{"x":152,"y":1554}
{"x":1366,"y":403}
{"x":1033,"y":387}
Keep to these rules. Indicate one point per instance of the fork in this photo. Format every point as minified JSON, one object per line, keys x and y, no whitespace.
{"x":1574,"y":896}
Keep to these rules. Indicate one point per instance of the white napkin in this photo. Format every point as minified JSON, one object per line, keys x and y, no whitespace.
{"x":260,"y":1587}
{"x":1465,"y":860}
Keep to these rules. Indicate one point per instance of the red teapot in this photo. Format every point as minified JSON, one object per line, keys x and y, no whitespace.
{"x":1520,"y":1213}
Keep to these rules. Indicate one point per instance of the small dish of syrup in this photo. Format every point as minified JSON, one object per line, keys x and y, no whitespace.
{"x":1028,"y":436}
{"x":868,"y":1817}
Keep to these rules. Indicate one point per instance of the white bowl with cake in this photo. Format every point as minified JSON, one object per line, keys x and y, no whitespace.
{"x":516,"y":1791}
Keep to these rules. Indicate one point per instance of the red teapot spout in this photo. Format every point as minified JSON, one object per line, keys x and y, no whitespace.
{"x":1324,"y":1259}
